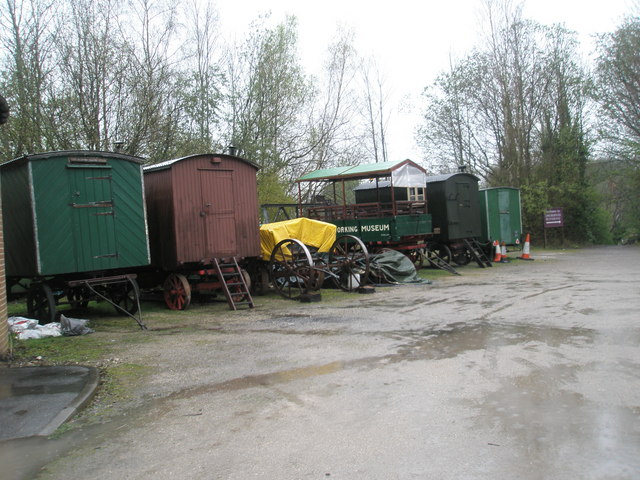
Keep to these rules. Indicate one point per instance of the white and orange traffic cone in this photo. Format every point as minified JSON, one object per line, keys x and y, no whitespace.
{"x":526,"y":250}
{"x":498,"y":255}
{"x":503,"y":253}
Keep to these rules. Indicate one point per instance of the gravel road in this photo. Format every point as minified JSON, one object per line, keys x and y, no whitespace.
{"x":528,"y":370}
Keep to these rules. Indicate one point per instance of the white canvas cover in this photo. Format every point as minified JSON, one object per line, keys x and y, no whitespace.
{"x":408,"y":176}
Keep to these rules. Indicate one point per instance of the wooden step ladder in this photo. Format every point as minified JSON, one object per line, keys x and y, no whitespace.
{"x":233,"y":284}
{"x":475,"y":249}
{"x":437,"y":262}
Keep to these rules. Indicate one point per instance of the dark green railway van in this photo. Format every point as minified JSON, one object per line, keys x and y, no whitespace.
{"x":452,"y":200}
{"x":73,"y":211}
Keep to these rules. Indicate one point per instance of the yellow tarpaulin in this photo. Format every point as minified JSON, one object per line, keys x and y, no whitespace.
{"x":313,"y":233}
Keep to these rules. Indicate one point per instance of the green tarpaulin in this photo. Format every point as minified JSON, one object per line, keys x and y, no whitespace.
{"x":392,"y":266}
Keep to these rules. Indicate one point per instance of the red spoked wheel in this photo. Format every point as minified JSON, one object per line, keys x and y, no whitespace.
{"x":177,"y":292}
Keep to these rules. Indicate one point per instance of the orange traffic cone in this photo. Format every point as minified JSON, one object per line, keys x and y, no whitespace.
{"x":498,"y":255}
{"x":526,"y":250}
{"x":503,"y":253}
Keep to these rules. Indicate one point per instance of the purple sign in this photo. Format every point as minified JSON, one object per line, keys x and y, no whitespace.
{"x":553,"y":218}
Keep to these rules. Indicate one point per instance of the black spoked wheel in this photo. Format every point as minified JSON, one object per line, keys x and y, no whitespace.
{"x":41,"y":303}
{"x":78,"y":297}
{"x":349,"y":263}
{"x":416,"y":255}
{"x":461,"y":257}
{"x":291,"y":269}
{"x":126,"y":297}
{"x":438,"y":253}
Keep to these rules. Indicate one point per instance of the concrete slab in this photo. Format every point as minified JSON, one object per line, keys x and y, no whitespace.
{"x":37,"y":400}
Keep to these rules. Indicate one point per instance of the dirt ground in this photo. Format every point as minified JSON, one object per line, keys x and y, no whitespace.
{"x":525,"y":370}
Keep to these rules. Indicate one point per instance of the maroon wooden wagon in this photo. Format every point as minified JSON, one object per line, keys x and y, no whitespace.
{"x":202,"y":213}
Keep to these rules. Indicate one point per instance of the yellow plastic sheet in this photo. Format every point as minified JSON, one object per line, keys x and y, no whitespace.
{"x":313,"y":233}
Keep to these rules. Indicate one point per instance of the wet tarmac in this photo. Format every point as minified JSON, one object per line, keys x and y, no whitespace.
{"x":528,"y":371}
{"x":34,"y":402}
{"x":37,"y":400}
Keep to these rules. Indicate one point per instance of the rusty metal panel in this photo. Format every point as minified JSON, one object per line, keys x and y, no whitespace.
{"x":204,"y":207}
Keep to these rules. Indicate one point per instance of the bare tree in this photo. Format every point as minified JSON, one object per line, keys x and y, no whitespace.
{"x":375,"y":114}
{"x":201,"y":90}
{"x":332,"y":139}
{"x":28,"y":44}
{"x":87,"y":43}
{"x":151,"y":120}
{"x":268,"y":95}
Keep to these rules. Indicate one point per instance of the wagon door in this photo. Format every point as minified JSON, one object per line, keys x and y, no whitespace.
{"x":218,"y":212}
{"x":94,"y":234}
{"x":504,"y":213}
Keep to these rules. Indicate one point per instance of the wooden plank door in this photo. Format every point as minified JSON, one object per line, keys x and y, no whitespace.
{"x":218,"y":212}
{"x":93,"y":214}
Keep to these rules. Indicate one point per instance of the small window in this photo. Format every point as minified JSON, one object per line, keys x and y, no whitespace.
{"x":416,"y":194}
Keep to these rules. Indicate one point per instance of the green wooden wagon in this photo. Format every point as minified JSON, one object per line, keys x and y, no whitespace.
{"x":388,"y":208}
{"x":74,"y":228}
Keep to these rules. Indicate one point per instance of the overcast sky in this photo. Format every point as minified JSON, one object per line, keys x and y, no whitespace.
{"x":412,"y":40}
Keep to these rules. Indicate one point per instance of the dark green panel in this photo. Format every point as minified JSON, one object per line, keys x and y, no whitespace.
{"x":501,"y":215}
{"x":368,"y":230}
{"x":411,"y":225}
{"x":19,"y":239}
{"x":54,"y":228}
{"x":130,"y":218}
{"x":92,"y":212}
{"x":385,"y":229}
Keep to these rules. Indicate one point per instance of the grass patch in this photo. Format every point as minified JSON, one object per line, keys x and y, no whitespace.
{"x":61,"y":350}
{"x":118,"y":382}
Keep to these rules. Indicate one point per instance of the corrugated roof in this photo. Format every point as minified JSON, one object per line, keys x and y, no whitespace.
{"x":355,"y":172}
{"x":74,"y":153}
{"x":324,"y":173}
{"x":170,"y":163}
{"x":446,"y":176}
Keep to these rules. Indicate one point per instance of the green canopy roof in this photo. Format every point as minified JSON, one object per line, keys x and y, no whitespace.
{"x":355,"y":172}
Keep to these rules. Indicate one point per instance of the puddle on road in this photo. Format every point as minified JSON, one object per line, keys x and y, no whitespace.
{"x":447,"y":342}
{"x":457,"y":338}
{"x":428,"y":344}
{"x":546,"y":425}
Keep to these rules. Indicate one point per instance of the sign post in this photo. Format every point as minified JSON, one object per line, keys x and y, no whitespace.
{"x":553,"y":218}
